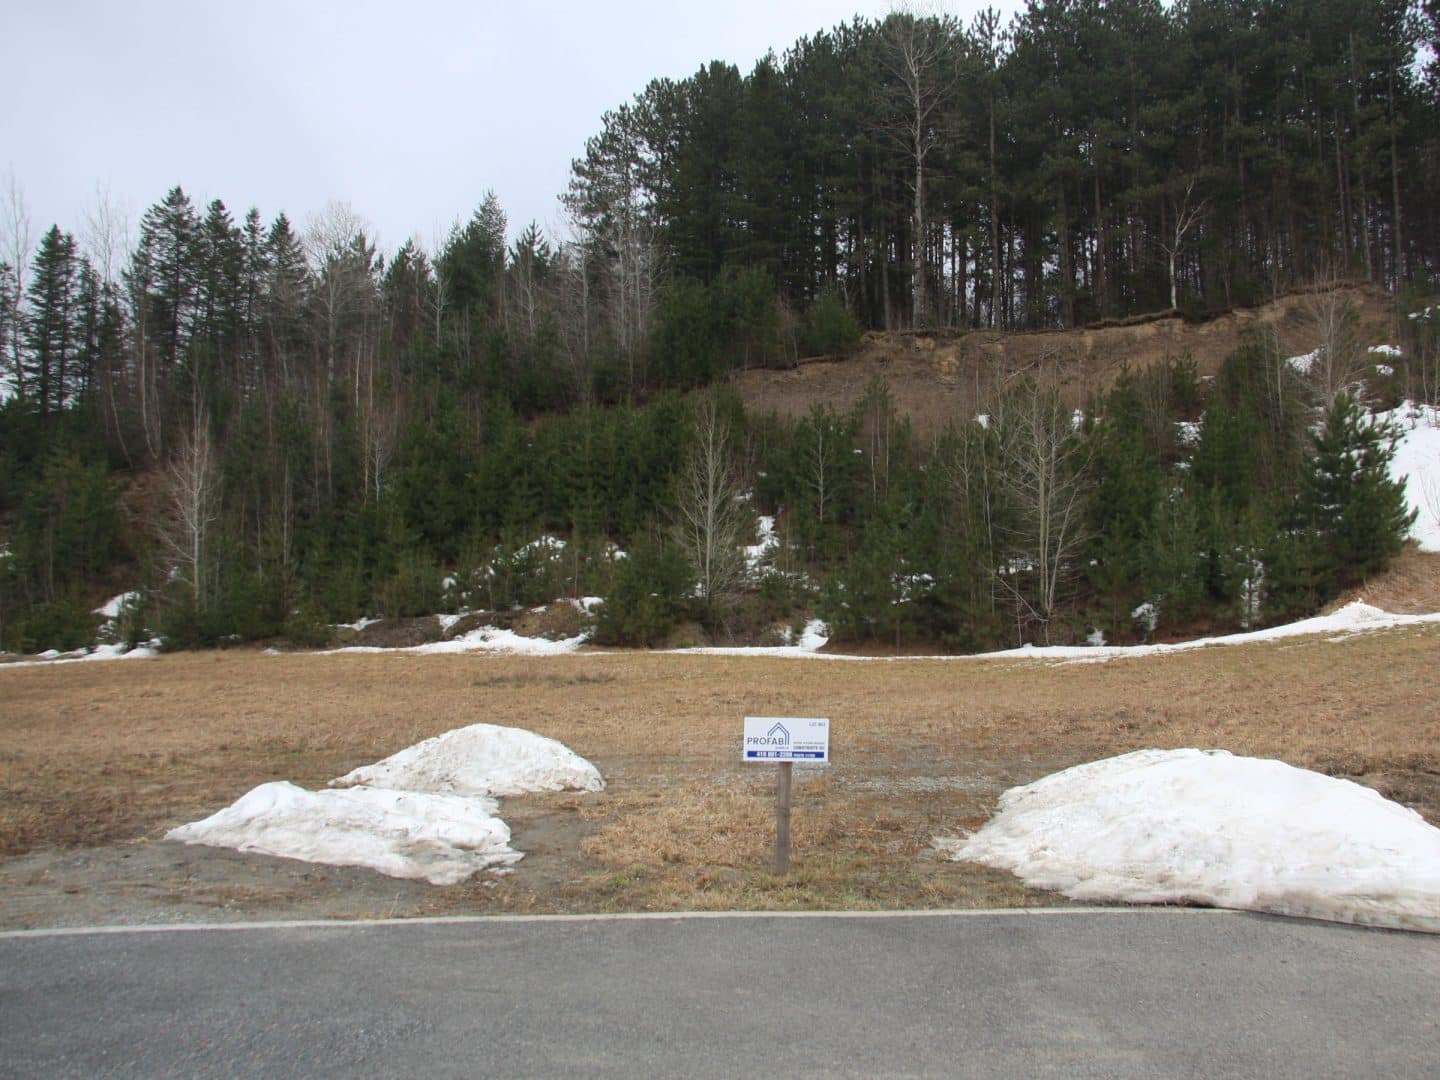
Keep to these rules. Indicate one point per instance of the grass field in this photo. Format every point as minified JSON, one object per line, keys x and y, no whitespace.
{"x":113,"y":754}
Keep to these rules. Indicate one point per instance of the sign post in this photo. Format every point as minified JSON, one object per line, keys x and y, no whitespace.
{"x":785,"y":740}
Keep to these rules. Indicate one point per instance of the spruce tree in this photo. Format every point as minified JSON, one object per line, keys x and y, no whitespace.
{"x":1357,"y":514}
{"x":51,"y":334}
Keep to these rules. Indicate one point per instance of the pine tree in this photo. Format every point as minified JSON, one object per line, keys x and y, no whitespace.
{"x":1356,"y":514}
{"x":164,"y":274}
{"x":51,"y":332}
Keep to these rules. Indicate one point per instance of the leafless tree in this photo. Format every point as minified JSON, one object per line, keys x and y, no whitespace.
{"x":919,"y":51}
{"x":1185,"y":216}
{"x":1045,"y":464}
{"x":16,"y":250}
{"x":1337,"y":365}
{"x":192,"y":490}
{"x":712,"y":516}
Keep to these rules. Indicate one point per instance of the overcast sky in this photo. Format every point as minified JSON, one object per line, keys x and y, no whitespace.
{"x":407,"y":111}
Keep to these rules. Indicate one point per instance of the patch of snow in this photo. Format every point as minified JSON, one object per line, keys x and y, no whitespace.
{"x":123,"y":652}
{"x":1146,"y":615}
{"x":442,"y":839}
{"x":1385,"y":350}
{"x":1417,"y":464}
{"x":111,"y":608}
{"x":983,"y":419}
{"x":1385,"y":369}
{"x":1252,"y":590}
{"x":1187,"y":432}
{"x":548,"y":545}
{"x":812,"y":640}
{"x":1304,"y":362}
{"x":588,"y":604}
{"x":768,"y":541}
{"x":358,"y":625}
{"x":1096,"y":639}
{"x":447,"y":621}
{"x":495,"y":639}
{"x":1193,"y":826}
{"x":1353,"y":618}
{"x":482,"y":759}
{"x":120,"y":651}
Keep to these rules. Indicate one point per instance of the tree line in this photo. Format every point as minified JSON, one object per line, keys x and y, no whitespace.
{"x":275,"y":428}
{"x":1089,"y":161}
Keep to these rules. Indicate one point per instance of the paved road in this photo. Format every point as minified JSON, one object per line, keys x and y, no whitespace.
{"x":1109,"y":993}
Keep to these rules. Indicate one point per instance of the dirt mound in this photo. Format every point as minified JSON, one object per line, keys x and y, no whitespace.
{"x":945,"y":375}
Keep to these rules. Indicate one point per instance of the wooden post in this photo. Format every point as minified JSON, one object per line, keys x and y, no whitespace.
{"x":782,"y":818}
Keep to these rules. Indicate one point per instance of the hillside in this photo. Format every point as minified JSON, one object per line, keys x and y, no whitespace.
{"x":944,"y":375}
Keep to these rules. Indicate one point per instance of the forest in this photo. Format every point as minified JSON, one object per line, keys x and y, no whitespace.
{"x":264,"y":429}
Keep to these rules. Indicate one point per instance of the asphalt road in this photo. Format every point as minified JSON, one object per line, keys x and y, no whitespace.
{"x":1074,"y":994}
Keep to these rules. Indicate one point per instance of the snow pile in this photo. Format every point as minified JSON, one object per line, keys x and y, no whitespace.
{"x":498,"y":640}
{"x":1178,"y":826}
{"x":118,"y":651}
{"x":1304,"y":362}
{"x":1384,"y":350}
{"x":1416,"y":464}
{"x":428,"y":812}
{"x":491,"y":639}
{"x":482,"y":759}
{"x":442,"y":839}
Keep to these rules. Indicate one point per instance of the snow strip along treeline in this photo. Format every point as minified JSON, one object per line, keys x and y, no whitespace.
{"x":428,"y":812}
{"x":1205,"y":827}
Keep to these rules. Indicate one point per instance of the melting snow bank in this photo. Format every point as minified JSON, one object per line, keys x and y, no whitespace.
{"x":1172,"y":826}
{"x":428,"y":812}
{"x":1416,"y":464}
{"x":482,"y":639}
{"x":482,"y":759}
{"x":442,"y":839}
{"x":1353,"y":618}
{"x":99,"y":652}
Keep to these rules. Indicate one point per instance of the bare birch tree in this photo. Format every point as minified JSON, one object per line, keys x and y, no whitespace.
{"x":1187,"y":214}
{"x":1045,"y":461}
{"x":712,"y":516}
{"x":192,"y":485}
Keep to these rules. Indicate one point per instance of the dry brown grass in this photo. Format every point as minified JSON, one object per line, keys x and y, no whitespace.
{"x":105,"y":753}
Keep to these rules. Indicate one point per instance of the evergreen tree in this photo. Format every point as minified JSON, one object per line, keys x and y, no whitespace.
{"x":1356,"y":516}
{"x":164,"y":277}
{"x":52,"y":336}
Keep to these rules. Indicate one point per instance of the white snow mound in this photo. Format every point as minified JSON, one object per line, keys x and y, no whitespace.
{"x":482,"y":759}
{"x":442,"y":839}
{"x":1169,"y":826}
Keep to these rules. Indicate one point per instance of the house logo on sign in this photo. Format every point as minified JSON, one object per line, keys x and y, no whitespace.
{"x":786,"y":738}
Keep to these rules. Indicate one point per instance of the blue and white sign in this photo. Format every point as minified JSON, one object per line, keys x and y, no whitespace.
{"x":787,"y":738}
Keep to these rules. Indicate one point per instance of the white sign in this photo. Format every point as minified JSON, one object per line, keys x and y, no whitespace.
{"x":787,"y":738}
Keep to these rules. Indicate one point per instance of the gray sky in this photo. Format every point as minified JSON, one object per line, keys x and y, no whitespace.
{"x":409,"y":112}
